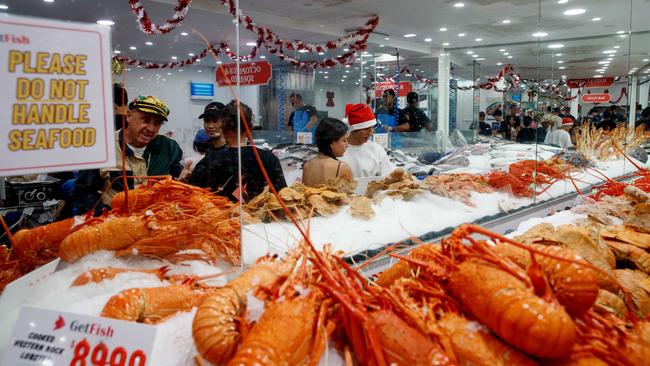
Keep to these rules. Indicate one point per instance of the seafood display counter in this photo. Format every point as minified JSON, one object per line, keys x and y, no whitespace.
{"x":170,"y":257}
{"x":403,"y":206}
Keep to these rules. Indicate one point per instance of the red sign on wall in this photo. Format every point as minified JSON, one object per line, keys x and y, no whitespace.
{"x":403,"y":88}
{"x":596,"y":98}
{"x":590,"y":83}
{"x":250,"y":73}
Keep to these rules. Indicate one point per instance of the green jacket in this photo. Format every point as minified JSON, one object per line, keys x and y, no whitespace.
{"x":162,"y":156}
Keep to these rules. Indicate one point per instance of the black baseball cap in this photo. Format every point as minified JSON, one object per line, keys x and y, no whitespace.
{"x":212,"y":110}
{"x":412,"y":97}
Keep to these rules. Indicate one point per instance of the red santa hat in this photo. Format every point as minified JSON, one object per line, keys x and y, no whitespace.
{"x":359,"y":116}
{"x":566,"y":121}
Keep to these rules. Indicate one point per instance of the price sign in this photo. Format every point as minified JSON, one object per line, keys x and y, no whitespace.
{"x":48,"y":337}
{"x":304,"y":138}
{"x":382,"y":139}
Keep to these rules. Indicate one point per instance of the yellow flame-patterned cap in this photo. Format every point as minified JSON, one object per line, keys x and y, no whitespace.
{"x":150,"y":104}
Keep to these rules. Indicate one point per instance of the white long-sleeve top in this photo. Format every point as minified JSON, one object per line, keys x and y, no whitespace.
{"x":367,"y":160}
{"x":559,"y":137}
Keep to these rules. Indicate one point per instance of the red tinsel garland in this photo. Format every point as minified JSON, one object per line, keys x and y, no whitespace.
{"x":406,"y":70}
{"x":216,"y":50}
{"x":147,"y":26}
{"x":355,"y":40}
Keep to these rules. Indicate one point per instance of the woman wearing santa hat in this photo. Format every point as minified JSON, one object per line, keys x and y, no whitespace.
{"x":366,"y":158}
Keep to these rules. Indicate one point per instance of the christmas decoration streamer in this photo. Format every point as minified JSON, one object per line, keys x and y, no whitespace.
{"x":355,"y":40}
{"x":216,"y":50}
{"x":147,"y":26}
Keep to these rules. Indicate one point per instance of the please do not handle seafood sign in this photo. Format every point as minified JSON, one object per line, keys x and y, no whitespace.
{"x":56,"y":107}
{"x":55,"y":338}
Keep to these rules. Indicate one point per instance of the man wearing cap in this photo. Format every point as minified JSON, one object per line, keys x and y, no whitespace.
{"x":220,"y":171}
{"x":213,"y":131}
{"x":416,"y":119}
{"x":213,"y":125}
{"x":366,"y":158}
{"x":560,"y":136}
{"x":147,"y":154}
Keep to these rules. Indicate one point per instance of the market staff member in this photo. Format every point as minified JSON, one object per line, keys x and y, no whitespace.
{"x":416,"y":119}
{"x":560,"y":136}
{"x":147,"y":154}
{"x":390,"y":116}
{"x":304,"y":117}
{"x":365,"y":158}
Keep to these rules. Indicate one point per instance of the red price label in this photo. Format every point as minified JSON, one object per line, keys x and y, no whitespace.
{"x":101,"y":355}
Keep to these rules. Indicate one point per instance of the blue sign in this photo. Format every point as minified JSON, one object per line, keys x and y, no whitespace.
{"x":201,"y":90}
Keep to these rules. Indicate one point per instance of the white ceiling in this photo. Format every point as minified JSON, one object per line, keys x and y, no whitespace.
{"x":318,"y":20}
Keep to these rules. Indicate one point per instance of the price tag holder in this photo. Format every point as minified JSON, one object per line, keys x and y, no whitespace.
{"x":382,"y":139}
{"x":55,"y":338}
{"x":304,"y":138}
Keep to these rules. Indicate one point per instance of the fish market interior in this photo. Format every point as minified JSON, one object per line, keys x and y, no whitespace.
{"x":324,"y":182}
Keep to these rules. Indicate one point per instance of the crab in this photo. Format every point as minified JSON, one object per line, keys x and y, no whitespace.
{"x":578,"y":240}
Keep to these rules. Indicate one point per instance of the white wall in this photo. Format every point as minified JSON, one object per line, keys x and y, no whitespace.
{"x":343,"y":94}
{"x":172,"y":86}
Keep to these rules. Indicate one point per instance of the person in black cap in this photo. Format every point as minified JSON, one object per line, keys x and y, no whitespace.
{"x":213,"y":131}
{"x":414,"y":117}
{"x":220,"y":171}
{"x":213,"y":125}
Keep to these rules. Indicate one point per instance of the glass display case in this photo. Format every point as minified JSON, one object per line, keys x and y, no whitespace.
{"x":470,"y":121}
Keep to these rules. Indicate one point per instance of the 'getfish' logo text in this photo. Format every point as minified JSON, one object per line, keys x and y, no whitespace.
{"x":92,"y":328}
{"x":12,"y":38}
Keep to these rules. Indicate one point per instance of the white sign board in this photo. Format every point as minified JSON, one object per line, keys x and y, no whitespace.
{"x":55,"y":338}
{"x":304,"y":138}
{"x":382,"y":139}
{"x":15,"y":294}
{"x":56,"y":100}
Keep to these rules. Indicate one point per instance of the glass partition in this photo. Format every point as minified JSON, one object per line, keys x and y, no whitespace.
{"x":526,"y":67}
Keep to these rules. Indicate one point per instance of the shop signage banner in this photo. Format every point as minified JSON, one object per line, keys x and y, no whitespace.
{"x":402,"y":88}
{"x":55,"y":338}
{"x":250,"y":73}
{"x":590,"y":83}
{"x":56,"y":100}
{"x":596,"y":98}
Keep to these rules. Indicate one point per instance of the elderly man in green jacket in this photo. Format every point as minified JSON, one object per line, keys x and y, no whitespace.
{"x":147,"y":154}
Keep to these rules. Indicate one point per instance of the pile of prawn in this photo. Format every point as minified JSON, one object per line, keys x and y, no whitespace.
{"x":163,"y":217}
